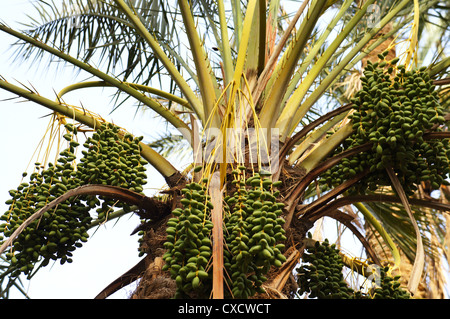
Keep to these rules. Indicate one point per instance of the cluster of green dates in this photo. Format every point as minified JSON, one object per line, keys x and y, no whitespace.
{"x":253,"y":236}
{"x":254,"y":232}
{"x":389,"y":288}
{"x":188,"y":244}
{"x":321,"y":274}
{"x":321,"y":277}
{"x":60,"y":231}
{"x":393,"y":112}
{"x":112,"y":158}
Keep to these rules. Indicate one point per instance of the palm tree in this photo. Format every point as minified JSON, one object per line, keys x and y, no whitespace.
{"x":262,"y":103}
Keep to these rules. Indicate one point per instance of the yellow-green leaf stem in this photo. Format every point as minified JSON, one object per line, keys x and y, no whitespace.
{"x":313,"y":137}
{"x":275,"y":70}
{"x":157,"y":107}
{"x":190,"y":71}
{"x":227,"y":121}
{"x":226,"y":50}
{"x":368,"y":217}
{"x":237,"y":20}
{"x":159,"y":53}
{"x":294,"y":103}
{"x":140,"y":87}
{"x":270,"y":110}
{"x":154,"y":158}
{"x":242,"y":53}
{"x":264,"y":77}
{"x":204,"y":72}
{"x":440,"y":66}
{"x":315,"y":50}
{"x":325,"y":147}
{"x":240,"y":63}
{"x":257,"y":44}
{"x":59,"y":107}
{"x":317,"y":93}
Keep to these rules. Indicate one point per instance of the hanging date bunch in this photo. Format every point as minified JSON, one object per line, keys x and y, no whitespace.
{"x":188,"y":242}
{"x":254,"y":232}
{"x":394,"y":113}
{"x":253,"y":237}
{"x":59,"y":231}
{"x":321,"y":277}
{"x":109,"y":158}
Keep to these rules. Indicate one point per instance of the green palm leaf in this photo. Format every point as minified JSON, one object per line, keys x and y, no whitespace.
{"x":97,"y":32}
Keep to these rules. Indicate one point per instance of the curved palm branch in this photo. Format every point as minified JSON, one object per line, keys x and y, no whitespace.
{"x":98,"y":30}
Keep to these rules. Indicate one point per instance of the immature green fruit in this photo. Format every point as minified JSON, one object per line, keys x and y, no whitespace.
{"x":179,"y":281}
{"x":395,"y":125}
{"x":379,"y":149}
{"x":195,"y":282}
{"x":277,"y":184}
{"x":198,"y":168}
{"x":191,"y":275}
{"x":61,"y":231}
{"x":202,"y":274}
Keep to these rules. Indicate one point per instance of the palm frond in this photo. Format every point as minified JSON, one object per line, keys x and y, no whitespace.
{"x":168,"y":144}
{"x":97,"y":32}
{"x":7,"y":283}
{"x":395,"y":220}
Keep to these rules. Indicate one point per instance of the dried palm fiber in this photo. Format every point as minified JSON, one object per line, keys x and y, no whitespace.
{"x":155,"y":284}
